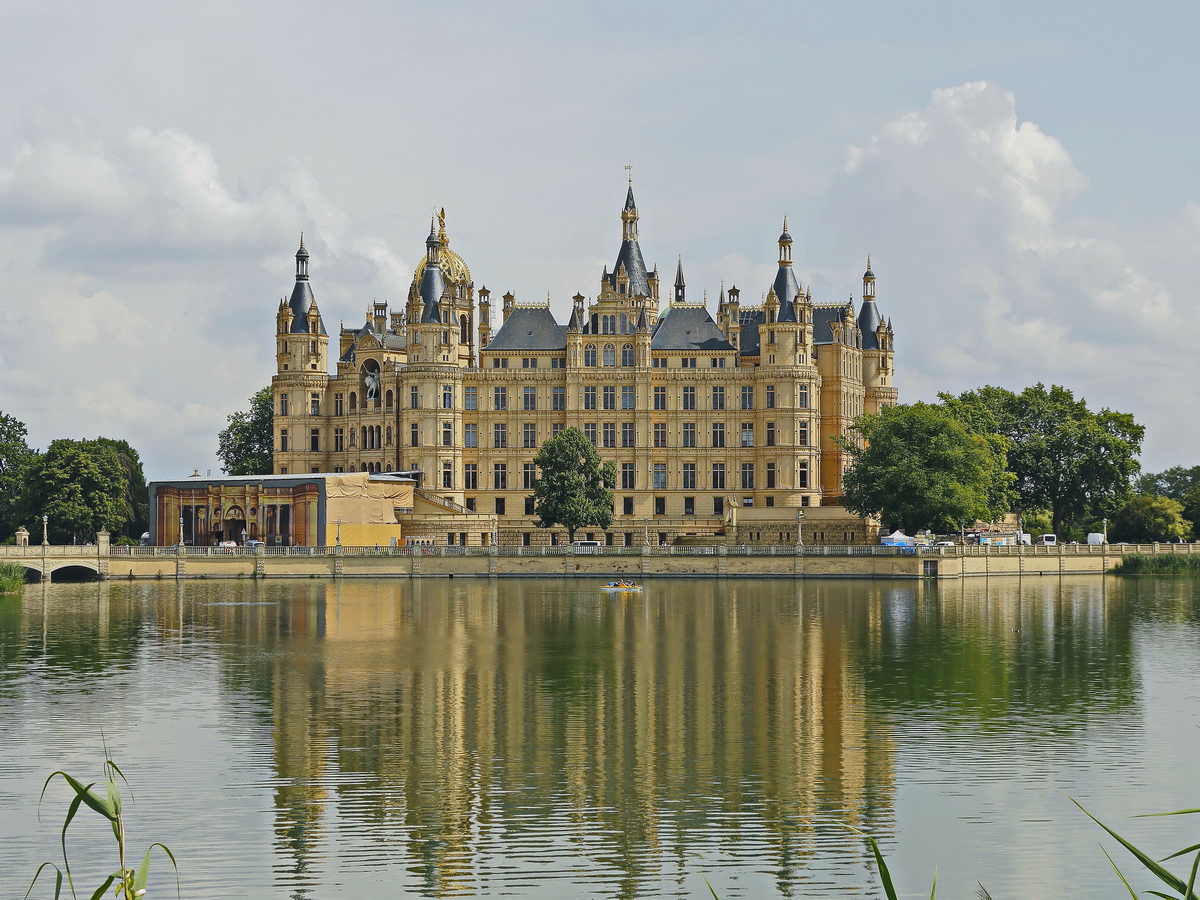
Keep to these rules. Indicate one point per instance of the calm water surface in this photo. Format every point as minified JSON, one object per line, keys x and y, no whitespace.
{"x":536,"y":738}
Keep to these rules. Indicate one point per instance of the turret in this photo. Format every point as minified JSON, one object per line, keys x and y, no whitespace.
{"x":510,"y":301}
{"x":679,"y":283}
{"x":485,"y":317}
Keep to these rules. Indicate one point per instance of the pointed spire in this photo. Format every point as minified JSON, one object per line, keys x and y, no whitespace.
{"x":679,"y":282}
{"x":643,"y":322}
{"x":630,"y":205}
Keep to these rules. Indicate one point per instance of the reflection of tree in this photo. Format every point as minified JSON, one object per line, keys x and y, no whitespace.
{"x":982,"y":651}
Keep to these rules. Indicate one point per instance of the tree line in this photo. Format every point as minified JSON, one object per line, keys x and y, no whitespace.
{"x":80,"y":486}
{"x":1041,"y":453}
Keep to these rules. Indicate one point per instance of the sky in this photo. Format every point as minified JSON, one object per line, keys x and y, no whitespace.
{"x":1021,"y":175}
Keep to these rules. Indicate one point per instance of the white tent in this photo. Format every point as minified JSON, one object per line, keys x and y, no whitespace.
{"x":896,"y":539}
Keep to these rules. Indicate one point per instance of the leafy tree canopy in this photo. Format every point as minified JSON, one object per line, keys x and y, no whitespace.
{"x":15,"y":459}
{"x":573,"y":488}
{"x":1176,"y":482}
{"x":1144,"y":519}
{"x":81,"y":486}
{"x":1066,"y":458}
{"x":920,"y":466}
{"x":245,"y":445}
{"x":135,"y":504}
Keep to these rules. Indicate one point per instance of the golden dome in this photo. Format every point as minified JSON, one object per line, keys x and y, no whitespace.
{"x":454,"y":270}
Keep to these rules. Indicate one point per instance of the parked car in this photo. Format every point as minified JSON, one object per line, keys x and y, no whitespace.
{"x":254,"y":543}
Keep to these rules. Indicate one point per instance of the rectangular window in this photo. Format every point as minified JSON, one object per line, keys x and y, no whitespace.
{"x":718,"y":434}
{"x":770,"y":434}
{"x":447,"y":396}
{"x":628,"y":475}
{"x":689,"y":506}
{"x":718,"y":398}
{"x":803,"y":399}
{"x":283,"y":440}
{"x":556,"y":363}
{"x":660,"y":509}
{"x":770,"y":396}
{"x":718,"y":506}
{"x":470,"y":398}
{"x":747,"y":434}
{"x":470,"y":476}
{"x":314,"y":404}
{"x":529,"y":506}
{"x":529,"y":435}
{"x":747,"y":397}
{"x":689,"y":434}
{"x":660,"y":477}
{"x":415,"y":435}
{"x":499,"y":435}
{"x":589,"y":397}
{"x":802,"y":436}
{"x":529,"y":362}
{"x":556,"y":428}
{"x":802,"y":475}
{"x":610,"y":434}
{"x":610,"y":396}
{"x":339,"y":439}
{"x":470,"y":504}
{"x":529,"y":397}
{"x":627,"y":506}
{"x":658,"y":363}
{"x":770,"y":475}
{"x":447,"y":434}
{"x":688,"y":362}
{"x":589,"y":431}
{"x":747,"y":476}
{"x":689,"y":476}
{"x":689,"y":397}
{"x":660,"y":434}
{"x":528,"y":474}
{"x":718,"y":476}
{"x":314,"y":440}
{"x":558,"y":398}
{"x":660,"y":398}
{"x":470,"y":435}
{"x":500,"y":476}
{"x":500,"y":398}
{"x":339,"y":404}
{"x":447,"y":474}
{"x":627,"y":396}
{"x":414,"y":397}
{"x":500,"y":500}
{"x":627,"y":435}
{"x":283,"y":404}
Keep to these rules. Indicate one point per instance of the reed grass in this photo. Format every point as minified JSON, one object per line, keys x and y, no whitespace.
{"x":131,"y":883}
{"x":1158,"y":564}
{"x":12,"y":577}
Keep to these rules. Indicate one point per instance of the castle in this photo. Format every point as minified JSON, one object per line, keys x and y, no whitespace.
{"x":717,"y":427}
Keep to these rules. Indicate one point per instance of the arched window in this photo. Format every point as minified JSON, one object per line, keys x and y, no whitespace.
{"x":365,"y":445}
{"x":389,"y":399}
{"x":589,"y":355}
{"x":353,"y":401}
{"x":353,"y":441}
{"x":627,"y":355}
{"x":389,"y":435}
{"x":610,"y":355}
{"x":464,"y":330}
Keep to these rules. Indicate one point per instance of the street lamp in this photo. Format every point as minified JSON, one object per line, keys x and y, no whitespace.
{"x":339,"y":532}
{"x":799,"y":528}
{"x":45,"y":520}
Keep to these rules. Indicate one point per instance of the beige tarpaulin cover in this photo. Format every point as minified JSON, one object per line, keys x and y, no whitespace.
{"x":357,"y":499}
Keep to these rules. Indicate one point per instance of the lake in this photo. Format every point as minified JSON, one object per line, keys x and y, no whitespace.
{"x":538,"y":738}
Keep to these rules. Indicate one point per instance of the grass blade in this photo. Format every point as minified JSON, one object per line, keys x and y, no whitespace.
{"x":1150,"y":864}
{"x":57,"y":880}
{"x":1185,"y":850}
{"x":1132,"y":892}
{"x":884,"y":875}
{"x":104,"y":887}
{"x":1178,"y":812}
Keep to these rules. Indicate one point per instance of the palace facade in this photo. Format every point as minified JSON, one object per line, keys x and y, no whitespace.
{"x":717,"y":426}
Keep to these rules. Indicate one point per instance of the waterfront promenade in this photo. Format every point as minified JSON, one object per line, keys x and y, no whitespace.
{"x":718,"y":561}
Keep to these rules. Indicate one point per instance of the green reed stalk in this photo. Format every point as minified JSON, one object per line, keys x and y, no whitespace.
{"x":12,"y":577}
{"x":131,"y":883}
{"x":1158,"y":564}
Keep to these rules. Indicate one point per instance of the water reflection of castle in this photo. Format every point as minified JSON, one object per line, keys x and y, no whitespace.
{"x":459,"y":732}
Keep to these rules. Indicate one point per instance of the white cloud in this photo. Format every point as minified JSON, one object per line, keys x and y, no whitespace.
{"x":991,"y":278}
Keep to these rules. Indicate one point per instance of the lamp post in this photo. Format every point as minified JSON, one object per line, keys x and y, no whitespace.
{"x":339,"y":532}
{"x":646,"y":530}
{"x":45,"y":521}
{"x":799,"y":528}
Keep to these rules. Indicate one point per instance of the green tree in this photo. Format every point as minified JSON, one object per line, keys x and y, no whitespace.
{"x":15,"y":459}
{"x":1144,"y":519}
{"x":1066,"y":458}
{"x":919,"y":466}
{"x":80,"y":486}
{"x":245,"y":445}
{"x":573,"y":488}
{"x":1191,"y":509}
{"x":135,"y":504}
{"x":1176,"y":482}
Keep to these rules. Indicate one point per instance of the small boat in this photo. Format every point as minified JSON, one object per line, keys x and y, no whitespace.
{"x":622,"y":585}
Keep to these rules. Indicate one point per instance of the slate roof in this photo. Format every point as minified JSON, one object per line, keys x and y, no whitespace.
{"x":630,"y":255}
{"x":868,"y":321}
{"x":786,"y":288}
{"x":750,"y":319}
{"x":688,"y":328}
{"x":302,"y":298}
{"x":822,"y":317}
{"x":432,"y":286}
{"x":529,"y":328}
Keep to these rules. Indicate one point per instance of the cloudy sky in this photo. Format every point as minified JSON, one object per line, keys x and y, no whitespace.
{"x":1022,"y":176}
